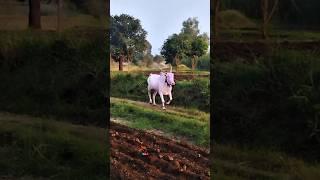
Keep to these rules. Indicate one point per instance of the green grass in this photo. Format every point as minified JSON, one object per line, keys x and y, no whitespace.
{"x":45,"y":148}
{"x":232,"y":162}
{"x":175,"y":123}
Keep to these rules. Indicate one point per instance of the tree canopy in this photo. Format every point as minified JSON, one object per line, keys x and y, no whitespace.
{"x":127,"y":37}
{"x":188,"y":43}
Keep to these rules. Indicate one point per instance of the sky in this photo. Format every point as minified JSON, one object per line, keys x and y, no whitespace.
{"x":162,"y":18}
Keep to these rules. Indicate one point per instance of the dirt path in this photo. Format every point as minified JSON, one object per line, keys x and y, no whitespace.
{"x":137,"y":154}
{"x":202,"y":116}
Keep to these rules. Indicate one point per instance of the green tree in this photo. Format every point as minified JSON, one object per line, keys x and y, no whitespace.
{"x":190,"y":27}
{"x":198,"y":43}
{"x":187,"y":43}
{"x":174,"y":49}
{"x":127,"y":38}
{"x":199,"y":47}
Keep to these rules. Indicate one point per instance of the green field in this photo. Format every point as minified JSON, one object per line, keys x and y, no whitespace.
{"x":191,"y":125}
{"x":44,"y":148}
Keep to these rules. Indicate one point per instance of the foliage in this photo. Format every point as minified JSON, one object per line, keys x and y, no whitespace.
{"x":204,"y":62}
{"x":233,"y":19}
{"x":190,"y":27}
{"x":48,"y":74}
{"x":290,"y":12}
{"x":174,"y":123}
{"x":93,"y":7}
{"x":34,"y":148}
{"x":174,"y":49}
{"x":231,"y":162}
{"x":270,"y":104}
{"x":127,"y":37}
{"x":188,"y":43}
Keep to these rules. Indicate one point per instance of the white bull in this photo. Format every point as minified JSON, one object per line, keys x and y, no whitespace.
{"x":161,"y":84}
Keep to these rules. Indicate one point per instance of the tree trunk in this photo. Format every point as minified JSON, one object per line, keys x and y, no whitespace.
{"x":194,"y":64}
{"x":34,"y":14}
{"x":266,"y":16}
{"x":264,"y":10}
{"x":59,"y":15}
{"x":177,"y":62}
{"x":216,"y":5}
{"x":121,"y":63}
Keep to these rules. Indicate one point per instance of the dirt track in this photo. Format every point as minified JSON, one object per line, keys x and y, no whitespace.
{"x":137,"y":154}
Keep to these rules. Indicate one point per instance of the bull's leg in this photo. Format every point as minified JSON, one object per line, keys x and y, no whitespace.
{"x":149,"y":94}
{"x":162,"y":100}
{"x":154,"y":97}
{"x":170,"y":96}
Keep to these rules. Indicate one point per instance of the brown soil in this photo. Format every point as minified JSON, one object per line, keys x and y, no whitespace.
{"x":137,"y":154}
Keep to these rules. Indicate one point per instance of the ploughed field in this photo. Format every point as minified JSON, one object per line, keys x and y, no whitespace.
{"x":136,"y":154}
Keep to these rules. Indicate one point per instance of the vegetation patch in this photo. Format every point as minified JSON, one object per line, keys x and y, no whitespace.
{"x":62,"y":75}
{"x":45,"y":148}
{"x":235,"y":20}
{"x":141,"y":117}
{"x":235,"y":163}
{"x":272,"y":103}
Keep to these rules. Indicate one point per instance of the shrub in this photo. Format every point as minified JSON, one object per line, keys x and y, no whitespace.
{"x":272,"y":103}
{"x":59,"y":75}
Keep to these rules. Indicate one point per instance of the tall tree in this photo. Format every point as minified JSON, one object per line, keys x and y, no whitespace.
{"x":267,"y":15}
{"x":34,"y":14}
{"x":199,"y":43}
{"x":199,"y":47}
{"x":190,"y":27}
{"x":174,"y":49}
{"x":127,"y":37}
{"x":188,"y":43}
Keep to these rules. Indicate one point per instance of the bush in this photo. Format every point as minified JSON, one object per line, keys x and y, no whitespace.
{"x":233,"y":19}
{"x":203,"y":62}
{"x":272,"y":103}
{"x":54,"y":75}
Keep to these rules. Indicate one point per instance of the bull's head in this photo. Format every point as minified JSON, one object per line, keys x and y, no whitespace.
{"x":170,"y":77}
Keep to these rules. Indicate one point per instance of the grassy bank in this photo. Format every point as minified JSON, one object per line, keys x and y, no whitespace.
{"x":234,"y":163}
{"x":189,"y":94}
{"x":38,"y":148}
{"x":190,"y":125}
